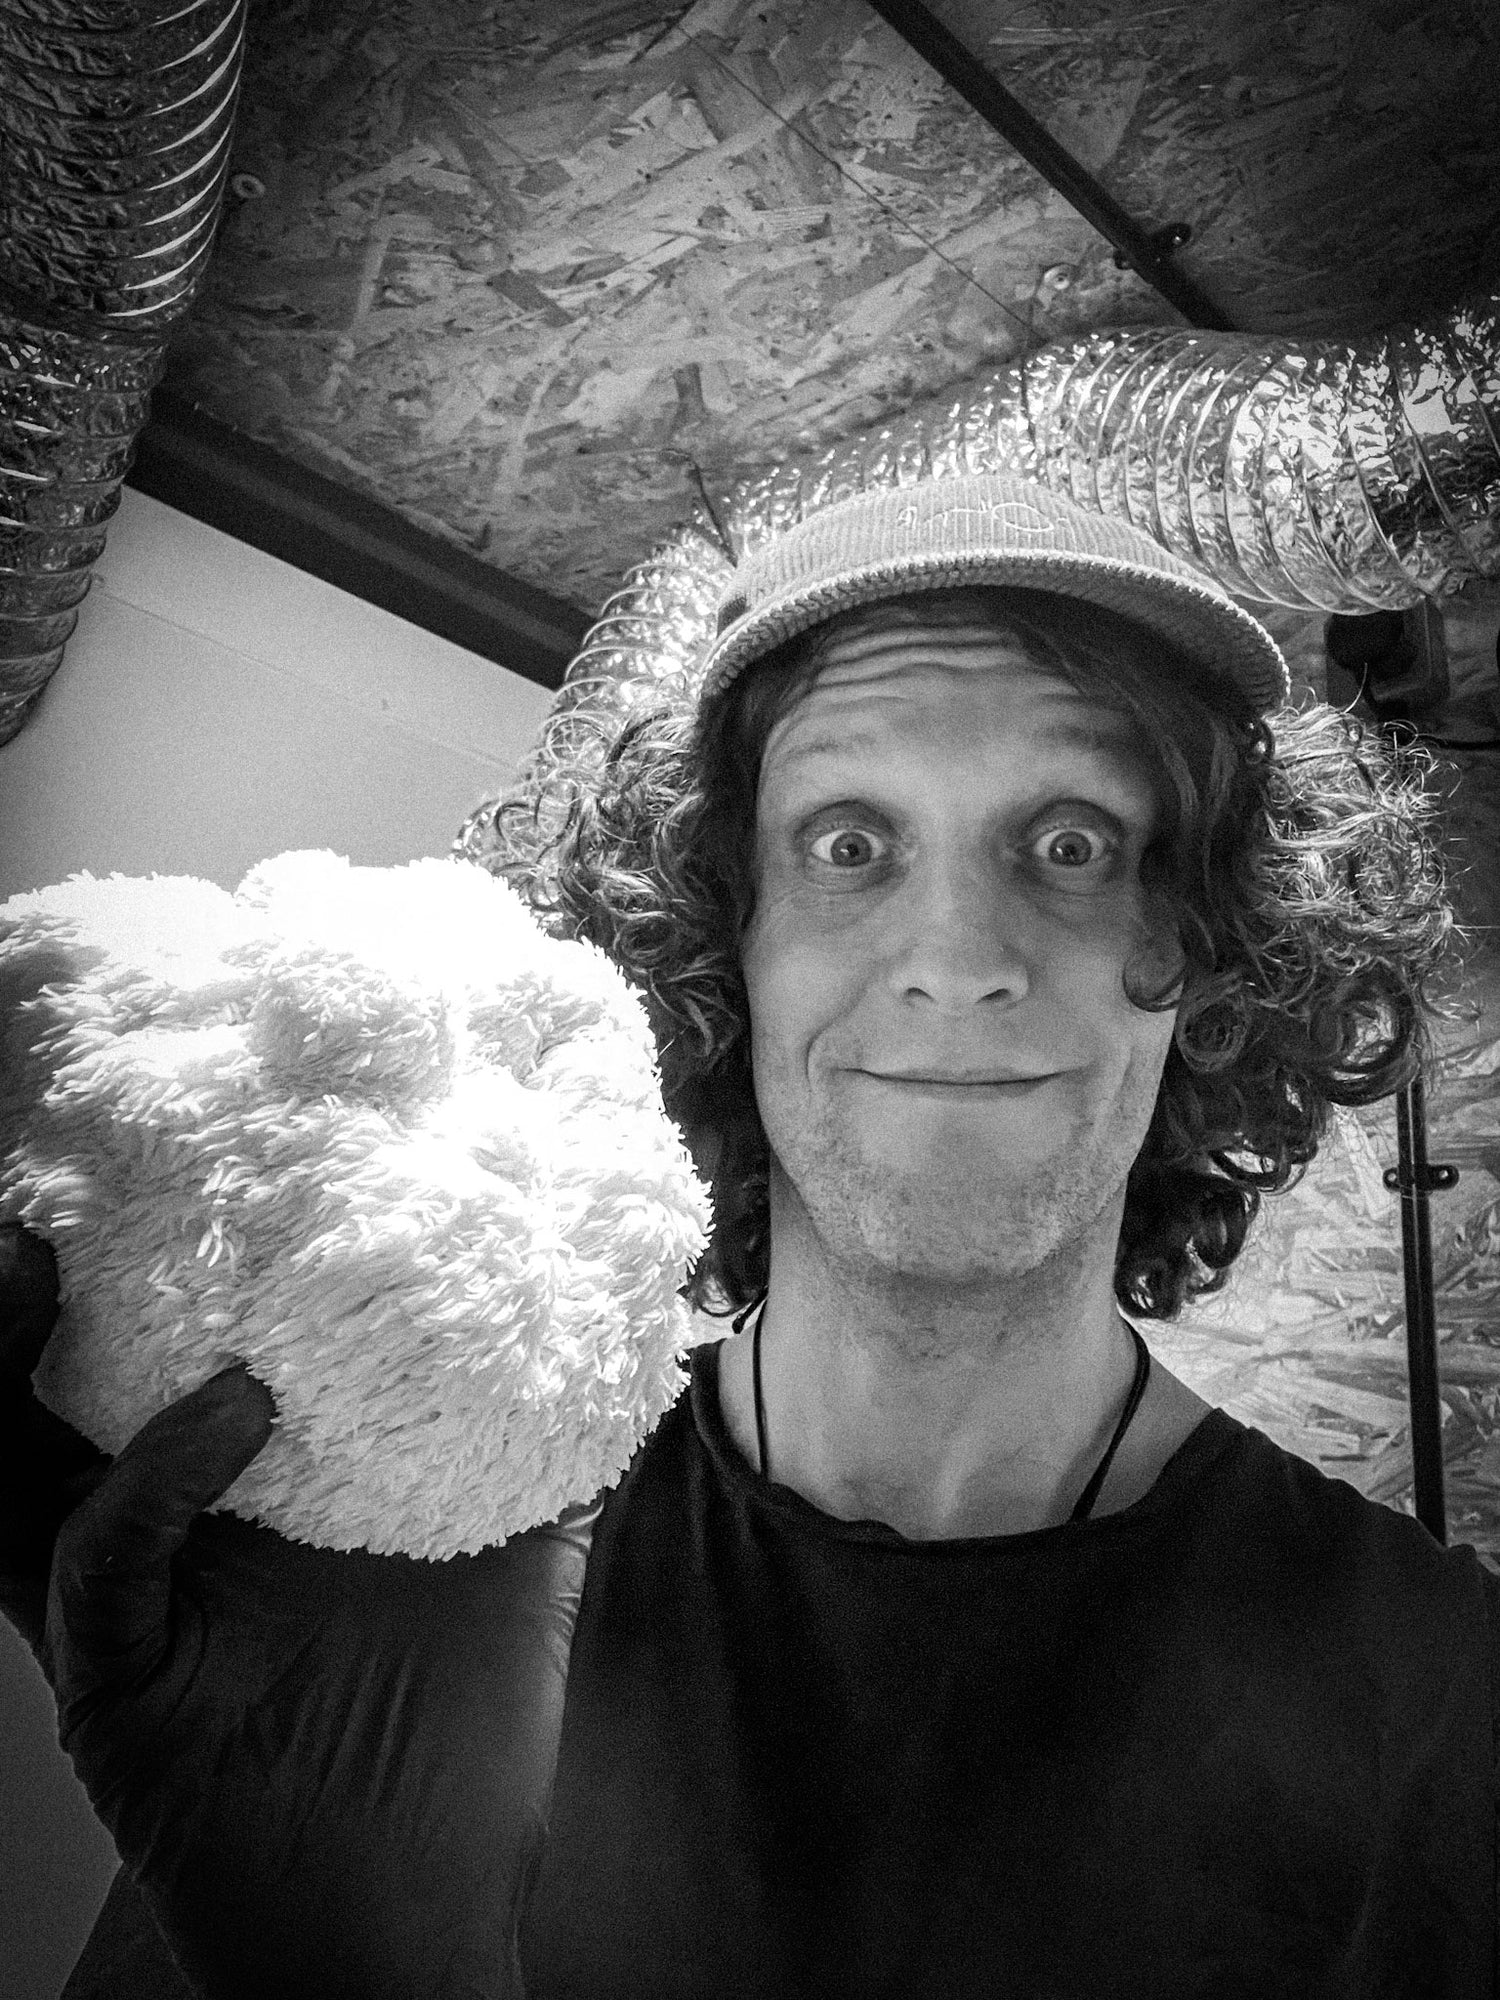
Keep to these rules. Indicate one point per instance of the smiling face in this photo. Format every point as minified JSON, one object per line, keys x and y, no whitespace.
{"x":952,"y":1079}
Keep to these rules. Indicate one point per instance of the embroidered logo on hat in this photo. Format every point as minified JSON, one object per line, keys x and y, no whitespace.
{"x":1012,"y":521}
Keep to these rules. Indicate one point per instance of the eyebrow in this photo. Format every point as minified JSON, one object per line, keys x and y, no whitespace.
{"x":1079,"y":735}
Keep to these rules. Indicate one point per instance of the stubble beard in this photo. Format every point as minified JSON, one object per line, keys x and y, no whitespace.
{"x":964,"y":1223}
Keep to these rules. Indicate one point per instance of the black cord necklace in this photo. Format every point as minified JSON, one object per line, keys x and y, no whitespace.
{"x":1090,"y":1493}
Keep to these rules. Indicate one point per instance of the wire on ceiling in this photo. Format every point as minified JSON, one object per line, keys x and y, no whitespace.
{"x":847,"y":173}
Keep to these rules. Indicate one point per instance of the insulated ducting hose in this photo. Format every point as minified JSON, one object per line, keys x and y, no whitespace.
{"x":1332,"y":476}
{"x":115,"y":127}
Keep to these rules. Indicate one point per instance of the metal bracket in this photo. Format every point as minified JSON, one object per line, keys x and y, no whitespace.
{"x":1163,"y":242}
{"x":1426,"y":1180}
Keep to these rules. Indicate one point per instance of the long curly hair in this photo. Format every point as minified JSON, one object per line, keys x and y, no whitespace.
{"x":1295,"y":862}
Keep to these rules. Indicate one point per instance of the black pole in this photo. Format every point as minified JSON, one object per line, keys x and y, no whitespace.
{"x":1414,"y":1180}
{"x":1146,"y":251}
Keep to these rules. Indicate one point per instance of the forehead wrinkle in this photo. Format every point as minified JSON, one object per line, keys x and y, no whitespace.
{"x":1104,"y":733}
{"x":1064,"y":735}
{"x":877,"y":675}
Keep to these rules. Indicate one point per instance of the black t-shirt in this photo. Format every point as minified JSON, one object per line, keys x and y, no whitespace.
{"x":1236,"y":1740}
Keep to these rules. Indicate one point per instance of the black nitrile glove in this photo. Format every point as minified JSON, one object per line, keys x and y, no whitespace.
{"x":46,"y":1468}
{"x":327,"y":1771}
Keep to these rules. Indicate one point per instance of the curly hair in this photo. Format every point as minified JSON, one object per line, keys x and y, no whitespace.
{"x":1295,"y":861}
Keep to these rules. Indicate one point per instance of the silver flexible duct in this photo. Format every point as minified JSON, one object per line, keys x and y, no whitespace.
{"x":115,"y":127}
{"x":1335,"y":476}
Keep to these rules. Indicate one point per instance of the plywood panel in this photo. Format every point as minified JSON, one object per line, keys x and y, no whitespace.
{"x":1308,"y":1342}
{"x":519,"y":269}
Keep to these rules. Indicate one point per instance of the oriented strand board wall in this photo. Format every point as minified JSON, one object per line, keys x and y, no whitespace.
{"x":1308,"y":1340}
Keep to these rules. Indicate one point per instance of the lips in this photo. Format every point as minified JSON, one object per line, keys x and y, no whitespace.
{"x":961,"y":1079}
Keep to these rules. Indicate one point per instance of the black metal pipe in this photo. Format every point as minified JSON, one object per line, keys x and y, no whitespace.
{"x":1414,"y":1179}
{"x":1145,"y":251}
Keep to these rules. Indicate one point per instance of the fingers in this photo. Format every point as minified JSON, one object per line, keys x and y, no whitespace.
{"x":109,"y":1618}
{"x":28,"y":1298}
{"x":45,"y":1466}
{"x":38,"y":1450}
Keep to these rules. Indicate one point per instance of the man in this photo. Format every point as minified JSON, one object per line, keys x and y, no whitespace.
{"x":937,"y":1641}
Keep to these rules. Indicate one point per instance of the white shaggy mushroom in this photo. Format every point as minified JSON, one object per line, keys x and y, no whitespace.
{"x":372,"y":1132}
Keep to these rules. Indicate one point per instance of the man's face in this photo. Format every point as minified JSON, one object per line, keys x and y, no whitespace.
{"x":948,"y":844}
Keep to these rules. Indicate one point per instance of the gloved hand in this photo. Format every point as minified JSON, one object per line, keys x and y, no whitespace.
{"x":46,"y":1468}
{"x":327,"y":1771}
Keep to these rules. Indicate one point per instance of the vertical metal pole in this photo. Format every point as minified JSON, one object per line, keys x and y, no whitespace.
{"x":1413,"y":1179}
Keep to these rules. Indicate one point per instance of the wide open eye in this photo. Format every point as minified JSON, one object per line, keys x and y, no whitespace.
{"x":1077,"y":849}
{"x":848,"y":847}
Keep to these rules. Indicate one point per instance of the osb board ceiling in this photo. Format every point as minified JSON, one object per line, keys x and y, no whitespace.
{"x":519,"y":266}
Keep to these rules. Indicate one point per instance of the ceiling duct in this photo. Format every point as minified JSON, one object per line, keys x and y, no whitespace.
{"x":1328,"y":476}
{"x":115,"y":128}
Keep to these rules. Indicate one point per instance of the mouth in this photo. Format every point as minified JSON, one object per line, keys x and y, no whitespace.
{"x":993,"y":1083}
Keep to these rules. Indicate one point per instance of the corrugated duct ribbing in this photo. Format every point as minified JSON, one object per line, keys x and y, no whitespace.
{"x":1331,"y":476}
{"x":115,"y":128}
{"x":1334,"y":476}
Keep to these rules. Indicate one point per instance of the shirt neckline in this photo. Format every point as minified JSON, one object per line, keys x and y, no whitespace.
{"x":1209,"y":1439}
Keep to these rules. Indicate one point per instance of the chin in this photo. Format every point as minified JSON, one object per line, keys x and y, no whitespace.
{"x":954,"y":1214}
{"x":1006,"y":1249}
{"x":965,"y":1232}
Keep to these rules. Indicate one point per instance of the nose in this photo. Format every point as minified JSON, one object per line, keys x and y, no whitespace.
{"x":967,"y":939}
